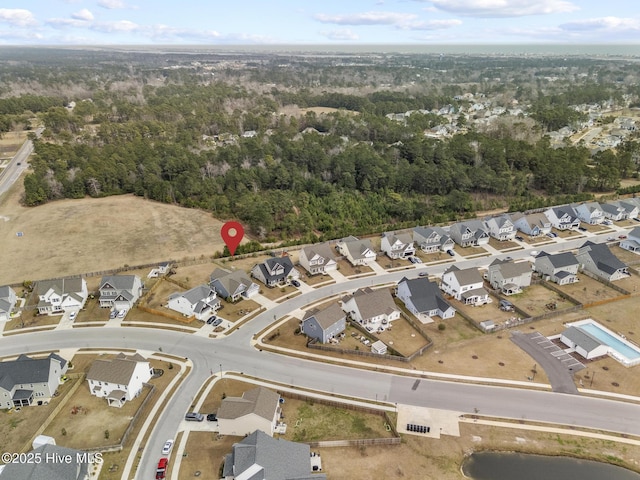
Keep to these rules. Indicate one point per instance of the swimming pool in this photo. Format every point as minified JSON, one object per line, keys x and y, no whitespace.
{"x":610,"y":340}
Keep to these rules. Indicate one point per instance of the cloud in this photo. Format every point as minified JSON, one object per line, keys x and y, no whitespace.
{"x":613,"y":24}
{"x":117,"y":26}
{"x":17,"y":16}
{"x":340,"y":34}
{"x":111,"y":4}
{"x":431,"y":25}
{"x":503,"y":8}
{"x":367,"y":18}
{"x":83,"y":14}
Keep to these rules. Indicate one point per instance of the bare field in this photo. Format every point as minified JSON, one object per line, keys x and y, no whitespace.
{"x":535,"y":298}
{"x":76,"y":236}
{"x":589,"y":290}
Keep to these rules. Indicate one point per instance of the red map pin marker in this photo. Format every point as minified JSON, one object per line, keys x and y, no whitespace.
{"x":232,"y":233}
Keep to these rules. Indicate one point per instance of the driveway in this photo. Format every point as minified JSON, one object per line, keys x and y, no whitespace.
{"x":558,"y":365}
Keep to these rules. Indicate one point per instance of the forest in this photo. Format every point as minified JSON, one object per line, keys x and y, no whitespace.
{"x":216,"y":132}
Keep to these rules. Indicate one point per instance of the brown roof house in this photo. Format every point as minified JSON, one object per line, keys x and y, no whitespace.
{"x":120,"y":379}
{"x":257,"y":409}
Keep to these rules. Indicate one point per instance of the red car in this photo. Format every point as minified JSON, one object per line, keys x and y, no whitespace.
{"x":161,"y":472}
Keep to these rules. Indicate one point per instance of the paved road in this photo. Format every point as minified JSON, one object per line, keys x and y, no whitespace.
{"x":17,"y":165}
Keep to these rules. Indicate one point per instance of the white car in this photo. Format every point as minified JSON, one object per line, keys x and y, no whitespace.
{"x":73,"y":315}
{"x":168,"y":445}
{"x":534,"y":253}
{"x":121,"y":313}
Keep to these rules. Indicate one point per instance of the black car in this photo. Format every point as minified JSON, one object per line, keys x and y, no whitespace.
{"x":295,"y":283}
{"x":212,"y":417}
{"x":451,"y":252}
{"x":211,"y":319}
{"x":216,"y":322}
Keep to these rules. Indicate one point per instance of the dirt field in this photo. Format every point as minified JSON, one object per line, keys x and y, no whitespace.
{"x":588,"y":290}
{"x":98,"y":234}
{"x":535,"y":298}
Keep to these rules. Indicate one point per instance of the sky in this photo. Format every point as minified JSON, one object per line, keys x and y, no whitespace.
{"x":357,"y":22}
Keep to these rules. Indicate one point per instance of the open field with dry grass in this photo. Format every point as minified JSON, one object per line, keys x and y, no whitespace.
{"x":588,"y":290}
{"x":535,"y":298}
{"x":93,"y":234}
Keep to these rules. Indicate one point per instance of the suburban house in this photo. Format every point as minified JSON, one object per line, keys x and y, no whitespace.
{"x":71,"y":464}
{"x":631,"y":243}
{"x":257,"y":409}
{"x":614,"y":211}
{"x":234,"y":285}
{"x":465,"y":285}
{"x":583,"y":343}
{"x":26,"y":380}
{"x":120,"y":292}
{"x":422,"y":297}
{"x":61,"y":295}
{"x":561,"y":268}
{"x":631,"y":208}
{"x":563,"y":217}
{"x":589,"y":212}
{"x":275,"y":271}
{"x":397,"y":245}
{"x":8,"y":300}
{"x":200,"y":302}
{"x":532,"y":224}
{"x":259,"y":456}
{"x":598,"y":259}
{"x":371,"y":306}
{"x":508,"y":276}
{"x":501,"y":227}
{"x":120,"y":379}
{"x":432,"y":239}
{"x":317,"y":259}
{"x":471,"y":233}
{"x":324,"y":324}
{"x":357,"y":252}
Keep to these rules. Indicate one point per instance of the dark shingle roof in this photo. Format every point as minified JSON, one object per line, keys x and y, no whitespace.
{"x":47,"y":470}
{"x":27,"y":370}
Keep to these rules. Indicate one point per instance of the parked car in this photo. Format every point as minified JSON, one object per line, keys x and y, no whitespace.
{"x":423,"y":274}
{"x":168,"y":445}
{"x":121,"y":313}
{"x":518,"y":237}
{"x":582,"y":229}
{"x":216,"y":322}
{"x":112,"y":314}
{"x":161,"y":471}
{"x":451,"y":252}
{"x":194,"y":417}
{"x":534,"y":253}
{"x":610,"y":239}
{"x":73,"y":315}
{"x":211,"y":319}
{"x":295,"y":283}
{"x":622,"y":237}
{"x":211,"y":417}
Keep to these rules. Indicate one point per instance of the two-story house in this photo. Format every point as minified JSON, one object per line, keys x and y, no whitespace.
{"x":465,"y":285}
{"x":397,"y":245}
{"x":367,"y":306}
{"x":317,"y":259}
{"x":560,"y":268}
{"x":324,"y":324}
{"x":357,"y":252}
{"x":620,"y":210}
{"x":120,"y":292}
{"x":8,"y":300}
{"x":25,"y":380}
{"x":589,"y":212}
{"x":61,"y":295}
{"x":501,"y":227}
{"x":632,"y":242}
{"x":563,"y":217}
{"x":422,"y":297}
{"x":233,"y":285}
{"x":532,"y":224}
{"x":200,"y":302}
{"x":119,"y":379}
{"x":471,"y":233}
{"x":433,"y":239}
{"x":508,"y":276}
{"x":257,"y":409}
{"x":275,"y":271}
{"x":598,"y":259}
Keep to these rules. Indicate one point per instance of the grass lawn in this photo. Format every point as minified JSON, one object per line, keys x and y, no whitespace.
{"x":588,"y":290}
{"x":205,"y":454}
{"x":506,"y":246}
{"x":535,"y":298}
{"x":472,"y":251}
{"x":349,"y":270}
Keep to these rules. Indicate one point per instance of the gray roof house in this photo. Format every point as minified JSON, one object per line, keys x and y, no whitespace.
{"x":371,"y":306}
{"x":8,"y":300}
{"x":61,"y":295}
{"x":471,"y":233}
{"x":75,"y":469}
{"x":465,"y":285}
{"x":234,"y":284}
{"x":257,"y":409}
{"x":200,"y":302}
{"x":563,"y":217}
{"x":27,"y":380}
{"x":432,"y":239}
{"x":356,"y":251}
{"x":501,"y":227}
{"x":262,"y":457}
{"x":318,"y":259}
{"x":508,"y":276}
{"x":598,"y":259}
{"x":120,"y":291}
{"x":583,"y":342}
{"x":589,"y":212}
{"x":561,"y":268}
{"x":422,"y":297}
{"x":532,"y":224}
{"x":275,"y":271}
{"x":119,"y":379}
{"x":632,"y":242}
{"x":614,"y":211}
{"x":324,"y":324}
{"x":397,"y":245}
